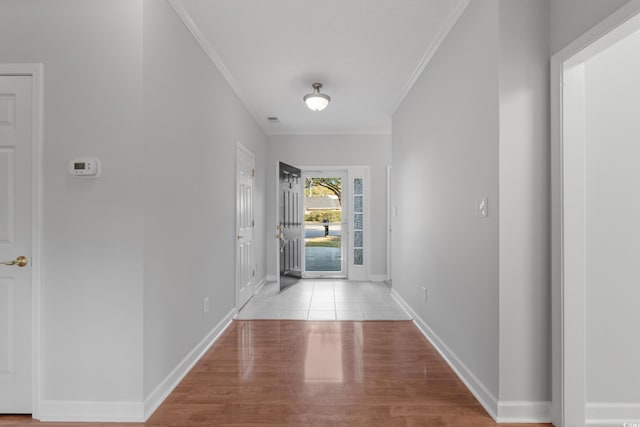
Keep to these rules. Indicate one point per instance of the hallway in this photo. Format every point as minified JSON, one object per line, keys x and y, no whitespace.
{"x":303,"y":374}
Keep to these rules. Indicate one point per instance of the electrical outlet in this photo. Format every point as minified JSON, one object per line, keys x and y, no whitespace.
{"x":205,"y":306}
{"x":424,"y":292}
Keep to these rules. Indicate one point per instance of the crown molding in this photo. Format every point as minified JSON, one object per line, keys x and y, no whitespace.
{"x":448,"y":25}
{"x":355,"y":132}
{"x":431,"y":51}
{"x":181,"y":11}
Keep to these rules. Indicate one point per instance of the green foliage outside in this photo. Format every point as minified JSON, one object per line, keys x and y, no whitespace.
{"x":314,"y":187}
{"x":319,"y":216}
{"x":325,"y":242}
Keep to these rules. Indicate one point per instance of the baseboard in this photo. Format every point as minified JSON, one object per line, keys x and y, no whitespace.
{"x":524,"y":412}
{"x":162,"y":391}
{"x":272,"y":278}
{"x":484,"y":396}
{"x":378,"y":277}
{"x":500,"y":411}
{"x":612,"y":413}
{"x":70,"y":411}
{"x":260,"y":285}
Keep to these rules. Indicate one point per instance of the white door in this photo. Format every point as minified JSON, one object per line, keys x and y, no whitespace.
{"x":245,"y":164}
{"x":15,"y":241}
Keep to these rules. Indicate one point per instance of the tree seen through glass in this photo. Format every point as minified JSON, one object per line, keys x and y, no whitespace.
{"x":323,"y":224}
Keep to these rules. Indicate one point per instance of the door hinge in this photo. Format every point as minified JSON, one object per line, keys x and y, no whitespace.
{"x":253,"y":172}
{"x":253,"y":222}
{"x":253,"y":273}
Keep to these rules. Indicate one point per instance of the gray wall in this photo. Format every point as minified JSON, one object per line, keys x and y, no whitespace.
{"x":192,"y":120}
{"x":612,"y":90}
{"x":476,"y":125}
{"x":445,"y":156}
{"x":128,"y":257}
{"x":335,"y":150}
{"x":525,"y":314}
{"x":92,"y":230}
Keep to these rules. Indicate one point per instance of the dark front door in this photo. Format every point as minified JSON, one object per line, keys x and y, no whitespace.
{"x":290,"y":225}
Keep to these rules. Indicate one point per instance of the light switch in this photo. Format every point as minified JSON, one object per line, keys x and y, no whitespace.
{"x":482,"y":208}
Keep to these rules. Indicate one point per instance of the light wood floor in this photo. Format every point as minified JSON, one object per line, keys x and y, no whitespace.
{"x":295,"y":373}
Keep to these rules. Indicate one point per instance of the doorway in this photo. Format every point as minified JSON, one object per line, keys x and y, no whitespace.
{"x":595,"y":151}
{"x":350,"y":237}
{"x":324,"y":227}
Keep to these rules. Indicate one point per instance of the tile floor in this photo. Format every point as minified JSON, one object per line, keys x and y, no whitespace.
{"x":324,"y":299}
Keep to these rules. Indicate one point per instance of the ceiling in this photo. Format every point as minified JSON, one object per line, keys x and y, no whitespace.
{"x":366,"y":53}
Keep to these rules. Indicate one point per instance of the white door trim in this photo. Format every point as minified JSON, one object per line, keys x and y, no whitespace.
{"x":36,"y":71}
{"x":389,"y":223}
{"x":567,"y":191}
{"x":353,"y":272}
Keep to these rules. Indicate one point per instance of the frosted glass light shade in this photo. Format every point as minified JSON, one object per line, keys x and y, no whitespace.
{"x":316,"y":101}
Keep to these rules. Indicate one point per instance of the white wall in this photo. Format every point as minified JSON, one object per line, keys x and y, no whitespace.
{"x":612,"y":90}
{"x":192,"y":120}
{"x":525,"y":314}
{"x":445,"y":156}
{"x":572,"y":18}
{"x":338,"y":150}
{"x":92,"y":232}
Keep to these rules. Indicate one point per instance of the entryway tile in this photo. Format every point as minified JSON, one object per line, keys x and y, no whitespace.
{"x":325,"y":300}
{"x":322,"y":315}
{"x":294,"y":314}
{"x":349,"y":315}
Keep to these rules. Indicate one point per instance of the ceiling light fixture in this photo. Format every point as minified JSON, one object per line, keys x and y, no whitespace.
{"x":316,"y":101}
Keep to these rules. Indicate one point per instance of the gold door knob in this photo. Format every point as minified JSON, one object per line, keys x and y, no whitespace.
{"x":21,"y":261}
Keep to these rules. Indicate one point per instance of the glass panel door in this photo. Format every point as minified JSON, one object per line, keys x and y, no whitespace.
{"x":323,"y":225}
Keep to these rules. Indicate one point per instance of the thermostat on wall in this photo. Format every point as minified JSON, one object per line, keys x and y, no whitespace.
{"x":84,"y":167}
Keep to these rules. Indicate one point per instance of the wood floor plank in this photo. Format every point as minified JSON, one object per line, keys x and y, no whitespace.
{"x":305,"y":374}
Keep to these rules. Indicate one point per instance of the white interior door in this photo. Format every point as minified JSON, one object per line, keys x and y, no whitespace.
{"x":245,"y":164}
{"x":15,"y":241}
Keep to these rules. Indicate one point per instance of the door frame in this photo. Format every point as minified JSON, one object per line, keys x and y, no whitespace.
{"x":240,"y":147}
{"x":389,"y":223}
{"x":323,"y":172}
{"x":36,"y":72}
{"x":360,"y":272}
{"x":567,"y":202}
